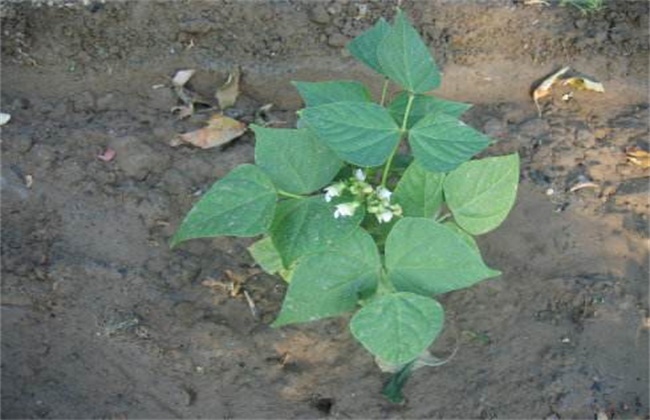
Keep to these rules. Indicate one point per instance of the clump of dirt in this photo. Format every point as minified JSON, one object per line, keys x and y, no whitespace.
{"x":101,"y":319}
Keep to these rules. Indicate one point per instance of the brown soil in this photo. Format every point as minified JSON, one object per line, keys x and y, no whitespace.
{"x":101,"y":320}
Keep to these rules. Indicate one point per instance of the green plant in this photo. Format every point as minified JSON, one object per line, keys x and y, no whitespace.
{"x":585,"y":6}
{"x":321,"y":196}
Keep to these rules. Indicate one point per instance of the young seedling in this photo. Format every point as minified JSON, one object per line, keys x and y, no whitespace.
{"x":368,"y":207}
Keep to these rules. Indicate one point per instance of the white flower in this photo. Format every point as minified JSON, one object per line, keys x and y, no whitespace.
{"x":359,"y":175}
{"x":334,"y":190}
{"x":384,"y":194}
{"x":345,"y":209}
{"x":385,"y":216}
{"x":397,"y":210}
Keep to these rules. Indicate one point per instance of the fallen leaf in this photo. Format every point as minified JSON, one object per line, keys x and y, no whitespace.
{"x":183,"y":111}
{"x":4,"y":118}
{"x":638,"y":157}
{"x":182,"y":76}
{"x":107,"y":155}
{"x":582,"y":83}
{"x":219,"y":131}
{"x":228,"y":92}
{"x":544,"y":88}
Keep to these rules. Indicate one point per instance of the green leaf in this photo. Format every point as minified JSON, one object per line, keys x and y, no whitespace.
{"x":294,"y":159}
{"x":425,"y":257}
{"x":240,"y":204}
{"x":398,"y":327}
{"x":331,"y":282}
{"x":469,"y":239}
{"x":424,"y":105}
{"x":363,"y":134}
{"x":440,"y":142}
{"x":321,"y":93}
{"x":405,"y":59}
{"x":308,"y":225}
{"x":419,"y":191}
{"x":364,"y":47}
{"x":480,"y":193}
{"x":266,"y":256}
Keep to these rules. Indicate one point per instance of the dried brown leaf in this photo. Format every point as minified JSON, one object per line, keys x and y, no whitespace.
{"x":107,"y":155}
{"x":638,"y":157}
{"x":227,"y":94}
{"x":183,"y":111}
{"x":544,"y":88}
{"x":182,"y":76}
{"x":219,"y":131}
{"x":583,"y":83}
{"x":4,"y":118}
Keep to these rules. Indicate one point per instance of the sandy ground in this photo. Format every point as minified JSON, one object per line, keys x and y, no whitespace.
{"x":101,"y":320}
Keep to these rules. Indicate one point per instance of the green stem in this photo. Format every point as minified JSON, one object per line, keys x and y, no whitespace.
{"x":389,"y":163}
{"x":384,"y":90}
{"x":289,"y":195}
{"x":384,"y":287}
{"x":407,"y":112}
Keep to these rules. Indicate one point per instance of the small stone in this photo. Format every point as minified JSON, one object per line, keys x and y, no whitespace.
{"x":337,"y":40}
{"x":334,"y":9}
{"x":318,"y":14}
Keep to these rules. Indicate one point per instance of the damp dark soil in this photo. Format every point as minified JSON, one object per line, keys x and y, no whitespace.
{"x":100,"y":319}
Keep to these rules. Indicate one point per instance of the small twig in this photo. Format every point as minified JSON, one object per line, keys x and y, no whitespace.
{"x":251,"y":305}
{"x":582,"y":185}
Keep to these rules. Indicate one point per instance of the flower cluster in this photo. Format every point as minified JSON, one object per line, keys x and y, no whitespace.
{"x":377,"y":200}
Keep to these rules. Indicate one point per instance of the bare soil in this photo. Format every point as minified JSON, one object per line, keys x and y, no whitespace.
{"x":100,"y":319}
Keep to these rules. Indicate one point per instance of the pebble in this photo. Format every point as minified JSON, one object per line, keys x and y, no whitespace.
{"x":335,"y":9}
{"x":337,"y":40}
{"x":318,"y":14}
